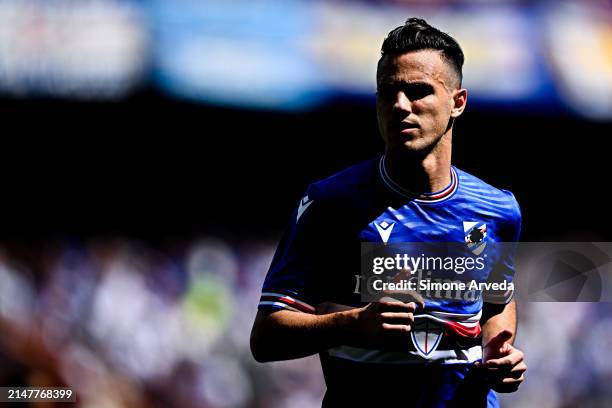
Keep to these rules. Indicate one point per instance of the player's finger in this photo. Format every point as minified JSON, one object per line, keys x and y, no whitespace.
{"x":518,"y":370}
{"x":512,"y":359}
{"x":510,"y":381}
{"x":506,"y":388}
{"x":507,"y":372}
{"x":401,"y":275}
{"x":505,"y":349}
{"x":405,"y":296}
{"x":515,"y":374}
{"x":398,"y":318}
{"x":398,"y":307}
{"x":498,"y":340}
{"x":509,"y":384}
{"x":500,"y":363}
{"x":396,"y":328}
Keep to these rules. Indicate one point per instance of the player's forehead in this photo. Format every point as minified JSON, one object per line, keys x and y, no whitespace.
{"x":423,"y":66}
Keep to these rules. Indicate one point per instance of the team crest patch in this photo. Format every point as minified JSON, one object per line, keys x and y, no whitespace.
{"x":426,"y":335}
{"x":475,"y":236}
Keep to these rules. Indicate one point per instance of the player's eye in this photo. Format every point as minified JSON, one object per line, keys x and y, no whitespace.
{"x":415,"y":92}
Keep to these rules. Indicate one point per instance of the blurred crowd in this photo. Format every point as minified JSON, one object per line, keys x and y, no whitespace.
{"x":128,"y":324}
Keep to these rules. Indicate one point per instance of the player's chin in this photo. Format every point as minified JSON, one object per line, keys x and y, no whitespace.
{"x":412,"y":144}
{"x":415,"y":145}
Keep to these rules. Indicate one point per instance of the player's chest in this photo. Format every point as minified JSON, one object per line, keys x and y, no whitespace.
{"x":414,"y":223}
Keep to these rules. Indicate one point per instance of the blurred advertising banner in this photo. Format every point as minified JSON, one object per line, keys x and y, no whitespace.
{"x":296,"y":55}
{"x":238,"y":53}
{"x":580,"y":45}
{"x":90,"y":50}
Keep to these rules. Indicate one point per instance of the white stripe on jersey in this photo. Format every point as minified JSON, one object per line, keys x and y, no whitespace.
{"x":408,"y":357}
{"x":280,"y":295}
{"x":281,"y":304}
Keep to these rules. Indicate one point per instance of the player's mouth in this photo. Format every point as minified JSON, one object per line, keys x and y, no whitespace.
{"x":408,"y":127}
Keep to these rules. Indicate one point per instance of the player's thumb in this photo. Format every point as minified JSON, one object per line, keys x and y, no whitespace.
{"x":495,"y":343}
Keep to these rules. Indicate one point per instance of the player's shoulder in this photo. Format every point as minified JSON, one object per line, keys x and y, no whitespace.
{"x":501,"y":200}
{"x":354,"y":180}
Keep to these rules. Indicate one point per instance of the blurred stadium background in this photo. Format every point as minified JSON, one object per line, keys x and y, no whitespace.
{"x":153,"y":151}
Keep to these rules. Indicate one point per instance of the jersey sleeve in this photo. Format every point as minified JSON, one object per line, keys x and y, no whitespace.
{"x":504,"y":270}
{"x":291,"y":282}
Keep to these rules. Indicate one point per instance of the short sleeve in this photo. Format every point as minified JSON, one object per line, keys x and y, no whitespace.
{"x":504,"y":270}
{"x":291,"y":282}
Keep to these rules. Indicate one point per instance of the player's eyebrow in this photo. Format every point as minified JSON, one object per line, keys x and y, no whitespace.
{"x":416,"y":89}
{"x":415,"y":82}
{"x":424,"y":87}
{"x":403,"y":83}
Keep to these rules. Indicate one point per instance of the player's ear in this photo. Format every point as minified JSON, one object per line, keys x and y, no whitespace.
{"x":459,"y":102}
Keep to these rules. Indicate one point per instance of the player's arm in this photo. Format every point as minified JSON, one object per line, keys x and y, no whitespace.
{"x":285,"y":334}
{"x":503,"y":362}
{"x":497,"y":318}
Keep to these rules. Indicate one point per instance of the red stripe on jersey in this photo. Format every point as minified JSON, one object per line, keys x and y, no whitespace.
{"x":463,"y":331}
{"x":288,"y":301}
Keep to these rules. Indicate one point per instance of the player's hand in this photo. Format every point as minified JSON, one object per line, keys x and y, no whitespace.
{"x":405,"y":296}
{"x":503,"y":363}
{"x":384,"y":325}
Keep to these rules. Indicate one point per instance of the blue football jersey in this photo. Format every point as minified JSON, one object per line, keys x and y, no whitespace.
{"x":318,"y":260}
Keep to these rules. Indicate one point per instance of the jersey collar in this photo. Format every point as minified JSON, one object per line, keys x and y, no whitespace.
{"x":435,"y":197}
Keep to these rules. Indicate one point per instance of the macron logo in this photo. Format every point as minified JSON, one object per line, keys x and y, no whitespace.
{"x":384,"y":229}
{"x":304,"y":204}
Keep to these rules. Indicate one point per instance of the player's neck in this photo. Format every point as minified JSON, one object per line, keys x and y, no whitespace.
{"x":421,"y":174}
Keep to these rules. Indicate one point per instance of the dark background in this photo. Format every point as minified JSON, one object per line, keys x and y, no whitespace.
{"x":151,"y":166}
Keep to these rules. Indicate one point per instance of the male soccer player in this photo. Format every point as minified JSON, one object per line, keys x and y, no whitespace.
{"x":412,"y":193}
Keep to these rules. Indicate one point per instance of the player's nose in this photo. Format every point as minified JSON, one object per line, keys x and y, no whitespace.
{"x":402,"y":103}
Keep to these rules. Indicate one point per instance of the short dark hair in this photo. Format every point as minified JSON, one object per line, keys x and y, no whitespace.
{"x":416,"y":35}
